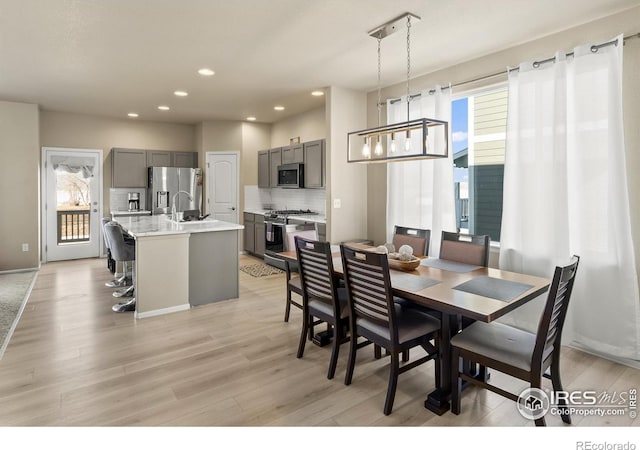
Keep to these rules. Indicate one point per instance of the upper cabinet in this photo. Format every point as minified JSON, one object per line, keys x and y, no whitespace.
{"x":312,"y":154}
{"x":264,"y":169}
{"x":159,"y":158}
{"x":275,"y":159}
{"x":293,"y":154}
{"x":128,"y":168}
{"x":314,"y":164}
{"x":185,"y":159}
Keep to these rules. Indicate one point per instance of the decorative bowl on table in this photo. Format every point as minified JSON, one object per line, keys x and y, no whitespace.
{"x":403,"y":262}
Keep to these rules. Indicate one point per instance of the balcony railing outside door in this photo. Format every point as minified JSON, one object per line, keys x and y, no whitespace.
{"x":73,"y":225}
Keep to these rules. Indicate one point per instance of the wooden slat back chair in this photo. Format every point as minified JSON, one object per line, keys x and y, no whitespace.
{"x":416,"y":238}
{"x":465,"y":248}
{"x":515,"y":352}
{"x":293,"y":283}
{"x":375,"y":316}
{"x":321,"y":296}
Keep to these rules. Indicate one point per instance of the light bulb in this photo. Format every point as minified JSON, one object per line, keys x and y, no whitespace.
{"x":378,"y":149}
{"x":393,"y":143}
{"x":366,"y":150}
{"x":407,"y":142}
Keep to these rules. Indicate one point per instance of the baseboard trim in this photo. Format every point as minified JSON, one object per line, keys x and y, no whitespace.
{"x":163,"y":311}
{"x":28,"y":269}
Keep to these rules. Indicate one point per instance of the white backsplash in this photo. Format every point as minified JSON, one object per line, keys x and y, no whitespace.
{"x":119,"y":198}
{"x":278,"y":198}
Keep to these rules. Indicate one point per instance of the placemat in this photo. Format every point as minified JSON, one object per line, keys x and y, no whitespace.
{"x":451,"y":266}
{"x":496,"y":288}
{"x":411,"y":283}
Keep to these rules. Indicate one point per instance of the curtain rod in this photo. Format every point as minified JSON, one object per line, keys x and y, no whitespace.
{"x":536,"y":64}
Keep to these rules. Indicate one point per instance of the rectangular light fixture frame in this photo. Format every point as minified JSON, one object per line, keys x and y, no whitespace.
{"x":417,"y":129}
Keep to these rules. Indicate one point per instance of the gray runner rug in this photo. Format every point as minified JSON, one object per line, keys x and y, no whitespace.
{"x":14,"y":291}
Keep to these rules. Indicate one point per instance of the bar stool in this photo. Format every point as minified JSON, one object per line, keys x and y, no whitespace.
{"x":111,"y":264}
{"x":121,"y":251}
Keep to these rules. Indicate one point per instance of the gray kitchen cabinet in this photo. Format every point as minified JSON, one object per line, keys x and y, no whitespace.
{"x":314,"y":164}
{"x":159,"y":158}
{"x":322,"y":231}
{"x":128,"y":168}
{"x":254,"y":237}
{"x":264,"y":169}
{"x":259,"y":237}
{"x":275,"y":159}
{"x":249,"y":233}
{"x":185,"y":159}
{"x":293,"y":154}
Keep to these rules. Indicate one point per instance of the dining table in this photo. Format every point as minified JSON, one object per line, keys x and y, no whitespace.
{"x":454,"y":290}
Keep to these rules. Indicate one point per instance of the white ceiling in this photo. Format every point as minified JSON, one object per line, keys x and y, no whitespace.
{"x":110,"y":57}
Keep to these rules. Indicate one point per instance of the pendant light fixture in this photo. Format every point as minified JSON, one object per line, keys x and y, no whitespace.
{"x":397,"y":141}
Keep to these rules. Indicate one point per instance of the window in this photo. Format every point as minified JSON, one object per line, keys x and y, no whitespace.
{"x":478,"y":126}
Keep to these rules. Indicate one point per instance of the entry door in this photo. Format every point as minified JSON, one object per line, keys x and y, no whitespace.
{"x":222,"y":185}
{"x":72,"y":203}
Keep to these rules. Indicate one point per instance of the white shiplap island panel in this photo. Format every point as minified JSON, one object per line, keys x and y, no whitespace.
{"x":180,"y":265}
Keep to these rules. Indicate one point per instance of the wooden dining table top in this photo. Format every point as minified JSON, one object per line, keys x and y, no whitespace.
{"x":446,"y":293}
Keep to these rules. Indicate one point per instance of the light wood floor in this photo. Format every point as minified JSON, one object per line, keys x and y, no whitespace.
{"x":72,"y":361}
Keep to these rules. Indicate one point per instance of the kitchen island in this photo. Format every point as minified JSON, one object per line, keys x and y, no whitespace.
{"x":180,"y":265}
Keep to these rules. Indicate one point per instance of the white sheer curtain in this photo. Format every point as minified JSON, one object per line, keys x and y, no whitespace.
{"x":565,"y":192}
{"x":420,"y":193}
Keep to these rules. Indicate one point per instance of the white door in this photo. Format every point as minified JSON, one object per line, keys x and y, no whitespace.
{"x":222,"y":185}
{"x":71,"y":203}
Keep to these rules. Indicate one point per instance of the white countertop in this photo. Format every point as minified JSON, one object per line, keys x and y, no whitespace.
{"x":126,"y":212}
{"x":316,"y":218}
{"x":141,"y":226}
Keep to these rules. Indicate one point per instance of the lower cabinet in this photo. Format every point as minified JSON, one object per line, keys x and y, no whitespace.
{"x":254,"y":237}
{"x":249,"y":232}
{"x":259,"y":236}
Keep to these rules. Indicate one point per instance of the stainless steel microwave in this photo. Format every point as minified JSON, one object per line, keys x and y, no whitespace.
{"x":291,"y":175}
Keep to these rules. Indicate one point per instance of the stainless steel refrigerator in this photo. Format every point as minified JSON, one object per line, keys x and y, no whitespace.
{"x":165,"y":182}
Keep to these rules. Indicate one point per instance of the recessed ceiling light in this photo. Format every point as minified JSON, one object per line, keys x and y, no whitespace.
{"x":317,"y":93}
{"x":180,"y":93}
{"x":132,"y":114}
{"x":251,"y":118}
{"x":206,"y":72}
{"x":279,"y":108}
{"x":164,"y":108}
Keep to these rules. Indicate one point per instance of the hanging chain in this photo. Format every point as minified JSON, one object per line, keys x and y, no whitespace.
{"x":379,"y":77}
{"x":408,"y":61}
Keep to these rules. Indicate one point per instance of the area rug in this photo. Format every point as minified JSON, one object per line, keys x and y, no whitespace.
{"x":14,"y":292}
{"x":260,"y":270}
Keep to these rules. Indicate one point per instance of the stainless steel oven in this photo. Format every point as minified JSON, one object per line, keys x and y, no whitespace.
{"x":276,"y":228}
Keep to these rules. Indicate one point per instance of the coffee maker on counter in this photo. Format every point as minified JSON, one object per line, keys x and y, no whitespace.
{"x":134,"y":201}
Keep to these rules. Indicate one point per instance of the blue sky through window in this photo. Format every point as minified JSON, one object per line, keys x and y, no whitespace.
{"x":459,"y":124}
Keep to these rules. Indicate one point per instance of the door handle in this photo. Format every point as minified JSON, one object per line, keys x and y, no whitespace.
{"x":233,"y":208}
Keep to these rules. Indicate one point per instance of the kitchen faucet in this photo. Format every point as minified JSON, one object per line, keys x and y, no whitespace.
{"x":173,"y":203}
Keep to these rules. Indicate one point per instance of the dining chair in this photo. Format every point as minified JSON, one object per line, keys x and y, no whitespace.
{"x":322,"y":298}
{"x":374,"y":315}
{"x":416,"y":238}
{"x":292,"y":283}
{"x":517,"y":353}
{"x":465,"y":248}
